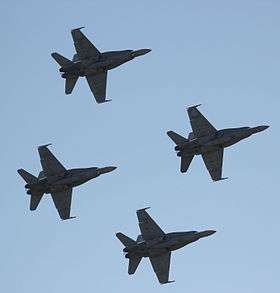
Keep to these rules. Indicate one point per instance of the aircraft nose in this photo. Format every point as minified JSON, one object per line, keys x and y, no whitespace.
{"x":107,"y":169}
{"x":206,"y":233}
{"x":140,"y":52}
{"x":261,"y":128}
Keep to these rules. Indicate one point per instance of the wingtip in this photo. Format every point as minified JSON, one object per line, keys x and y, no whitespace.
{"x":68,"y":218}
{"x":169,"y":132}
{"x":143,"y":209}
{"x":221,"y":179}
{"x":78,"y":28}
{"x":168,"y":282}
{"x":194,"y":106}
{"x":105,"y":101}
{"x":44,"y":145}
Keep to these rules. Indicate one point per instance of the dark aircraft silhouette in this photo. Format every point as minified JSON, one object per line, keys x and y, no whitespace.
{"x":92,"y":64}
{"x":209,"y":142}
{"x":156,"y":245}
{"x":57,"y":181}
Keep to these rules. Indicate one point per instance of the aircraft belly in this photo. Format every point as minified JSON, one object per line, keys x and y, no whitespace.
{"x":232,"y":142}
{"x":177,"y":244}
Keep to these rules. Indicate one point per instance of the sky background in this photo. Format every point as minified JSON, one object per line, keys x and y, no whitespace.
{"x":222,"y":54}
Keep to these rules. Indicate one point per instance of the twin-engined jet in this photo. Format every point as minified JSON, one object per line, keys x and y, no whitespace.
{"x":91,"y":63}
{"x":58,"y":181}
{"x":156,"y":245}
{"x":209,"y":142}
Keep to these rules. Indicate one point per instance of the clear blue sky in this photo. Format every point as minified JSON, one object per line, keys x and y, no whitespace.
{"x":223,"y":54}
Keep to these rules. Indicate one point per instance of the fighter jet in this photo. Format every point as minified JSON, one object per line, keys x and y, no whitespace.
{"x":209,"y":142}
{"x":91,"y":63}
{"x":155,"y":244}
{"x":58,"y":181}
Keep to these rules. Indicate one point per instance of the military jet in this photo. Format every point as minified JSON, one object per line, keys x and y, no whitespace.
{"x":58,"y":181}
{"x":209,"y":142}
{"x":91,"y":63}
{"x":156,"y":245}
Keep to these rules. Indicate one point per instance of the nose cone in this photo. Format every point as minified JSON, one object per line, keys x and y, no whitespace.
{"x":259,"y":128}
{"x":106,"y":169}
{"x":140,"y":52}
{"x":206,"y":233}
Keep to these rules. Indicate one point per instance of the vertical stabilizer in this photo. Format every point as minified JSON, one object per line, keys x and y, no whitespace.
{"x":178,"y":139}
{"x":61,"y":60}
{"x":28,"y":178}
{"x":125,"y":240}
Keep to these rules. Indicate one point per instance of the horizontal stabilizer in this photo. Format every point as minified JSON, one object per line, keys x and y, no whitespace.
{"x":185,"y":162}
{"x":125,"y":240}
{"x":70,"y":83}
{"x":28,"y":178}
{"x":133,"y":264}
{"x":61,"y":60}
{"x":178,"y":139}
{"x":35,"y":200}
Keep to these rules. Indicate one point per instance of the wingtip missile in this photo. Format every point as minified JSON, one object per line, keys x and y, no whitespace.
{"x":44,"y":145}
{"x":223,"y":178}
{"x":105,"y":101}
{"x":140,"y":210}
{"x":68,"y":218}
{"x":195,"y":106}
{"x":78,"y":28}
{"x":168,"y":282}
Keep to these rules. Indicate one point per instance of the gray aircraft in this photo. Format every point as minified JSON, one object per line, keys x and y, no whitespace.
{"x":156,"y":245}
{"x":209,"y":142}
{"x":92,"y":64}
{"x":58,"y":181}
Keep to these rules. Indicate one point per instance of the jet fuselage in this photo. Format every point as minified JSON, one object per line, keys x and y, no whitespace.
{"x":221,"y":139}
{"x":103,"y":63}
{"x":169,"y":242}
{"x":71,"y":178}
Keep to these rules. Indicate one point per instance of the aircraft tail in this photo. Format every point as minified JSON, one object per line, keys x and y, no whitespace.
{"x":61,"y":60}
{"x":70,"y":84}
{"x":133,"y":264}
{"x":35,"y":200}
{"x":125,"y":240}
{"x":178,"y":139}
{"x":185,"y":162}
{"x":28,"y":178}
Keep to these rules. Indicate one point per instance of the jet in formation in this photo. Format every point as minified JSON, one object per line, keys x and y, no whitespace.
{"x":91,"y":63}
{"x":209,"y":142}
{"x":156,"y":245}
{"x":58,"y":181}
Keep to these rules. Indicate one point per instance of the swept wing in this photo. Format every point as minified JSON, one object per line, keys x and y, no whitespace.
{"x":97,"y":84}
{"x":50,"y":164}
{"x":161,"y":266}
{"x":214,"y":163}
{"x":62,"y":201}
{"x":148,"y":227}
{"x":200,"y":125}
{"x":84,"y":48}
